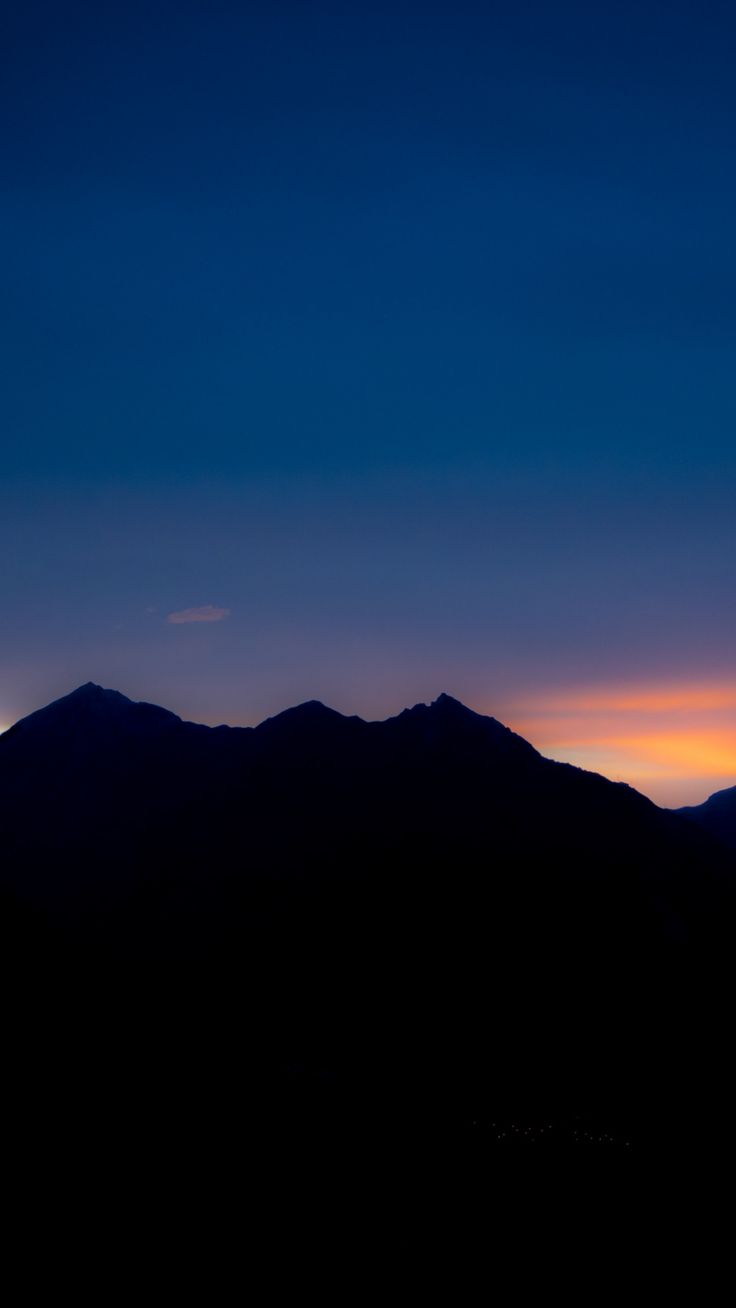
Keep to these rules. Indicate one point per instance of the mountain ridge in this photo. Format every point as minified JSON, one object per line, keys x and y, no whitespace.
{"x":423,"y":913}
{"x":97,"y":728}
{"x":91,"y":693}
{"x":90,"y":700}
{"x":716,"y":815}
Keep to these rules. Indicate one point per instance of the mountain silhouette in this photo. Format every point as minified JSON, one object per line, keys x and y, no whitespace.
{"x":409,"y":920}
{"x":717,"y":816}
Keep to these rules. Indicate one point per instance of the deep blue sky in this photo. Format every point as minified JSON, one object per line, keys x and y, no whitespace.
{"x":403,"y":332}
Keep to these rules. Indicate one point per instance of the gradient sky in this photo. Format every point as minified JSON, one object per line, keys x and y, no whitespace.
{"x":387,"y":347}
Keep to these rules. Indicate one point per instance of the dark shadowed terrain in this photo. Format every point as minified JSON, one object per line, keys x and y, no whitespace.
{"x":417,"y":928}
{"x":716,"y":816}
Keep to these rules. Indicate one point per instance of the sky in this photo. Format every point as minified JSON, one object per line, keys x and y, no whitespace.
{"x":365,"y":351}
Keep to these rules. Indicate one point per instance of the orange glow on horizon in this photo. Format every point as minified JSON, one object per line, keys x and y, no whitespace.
{"x":675,"y":742}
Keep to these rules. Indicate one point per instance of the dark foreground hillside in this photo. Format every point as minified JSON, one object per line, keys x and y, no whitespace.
{"x":417,"y":928}
{"x":717,"y":816}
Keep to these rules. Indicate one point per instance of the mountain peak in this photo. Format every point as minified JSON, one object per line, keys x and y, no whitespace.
{"x":311,"y":712}
{"x":444,"y":708}
{"x":448,"y":704}
{"x":91,"y":710}
{"x":92,"y":691}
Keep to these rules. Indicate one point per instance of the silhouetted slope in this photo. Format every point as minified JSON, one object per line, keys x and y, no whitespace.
{"x":417,"y":918}
{"x":717,"y":816}
{"x":88,"y":784}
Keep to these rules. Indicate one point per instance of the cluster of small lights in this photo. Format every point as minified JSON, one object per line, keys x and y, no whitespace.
{"x":517,"y":1132}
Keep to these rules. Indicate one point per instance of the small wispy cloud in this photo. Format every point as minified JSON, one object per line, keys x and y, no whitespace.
{"x":205,"y":613}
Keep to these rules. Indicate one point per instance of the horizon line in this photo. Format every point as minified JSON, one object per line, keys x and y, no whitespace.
{"x":601,"y":746}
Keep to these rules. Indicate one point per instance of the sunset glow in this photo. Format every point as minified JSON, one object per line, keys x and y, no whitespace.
{"x":403,"y":364}
{"x":676,"y":743}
